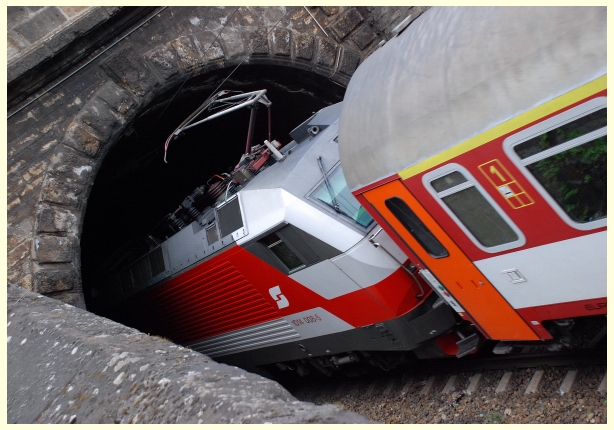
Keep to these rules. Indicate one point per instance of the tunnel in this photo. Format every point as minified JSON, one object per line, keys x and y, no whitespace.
{"x":135,"y":188}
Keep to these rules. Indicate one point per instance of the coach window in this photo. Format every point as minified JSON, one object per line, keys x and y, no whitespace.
{"x":416,"y":227}
{"x":567,"y":157}
{"x":474,"y":211}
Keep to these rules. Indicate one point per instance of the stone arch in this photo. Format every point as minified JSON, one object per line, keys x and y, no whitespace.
{"x":136,"y":74}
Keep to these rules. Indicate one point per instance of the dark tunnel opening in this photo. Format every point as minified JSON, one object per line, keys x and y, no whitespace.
{"x":134,"y":189}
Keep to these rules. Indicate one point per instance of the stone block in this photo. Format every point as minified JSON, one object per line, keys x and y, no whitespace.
{"x":35,"y":167}
{"x":53,"y":249}
{"x":187,"y":53}
{"x":78,"y":27}
{"x":14,"y":45}
{"x":118,"y":99}
{"x":52,"y":101}
{"x":80,"y":139}
{"x":210,"y":18}
{"x":327,"y":53}
{"x":97,"y":116}
{"x":363,"y":36}
{"x":209,"y":48}
{"x":73,"y":11}
{"x":62,"y":193}
{"x":16,"y":255}
{"x":349,"y":62}
{"x":232,"y":42}
{"x":23,"y":197}
{"x":51,"y":219}
{"x":347,"y":22}
{"x":272,"y":14}
{"x":280,"y":42}
{"x":303,"y":46}
{"x":19,"y":230}
{"x":164,"y":59}
{"x":15,"y":147}
{"x":28,"y":60}
{"x":112,"y":10}
{"x":329,"y":10}
{"x":24,"y":281}
{"x":69,"y":297}
{"x":79,"y":91}
{"x":51,"y":126}
{"x":51,"y":281}
{"x":40,"y":24}
{"x":15,"y":15}
{"x":258,"y":43}
{"x":15,"y":167}
{"x":129,"y":70}
{"x":247,"y":17}
{"x":68,"y":166}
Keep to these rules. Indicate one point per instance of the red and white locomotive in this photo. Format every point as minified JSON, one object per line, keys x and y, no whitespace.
{"x":285,"y":267}
{"x":477,"y":140}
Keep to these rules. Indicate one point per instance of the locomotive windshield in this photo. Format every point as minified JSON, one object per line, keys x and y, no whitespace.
{"x":340,"y":194}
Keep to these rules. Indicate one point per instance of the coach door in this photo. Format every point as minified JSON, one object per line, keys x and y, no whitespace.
{"x":446,"y":267}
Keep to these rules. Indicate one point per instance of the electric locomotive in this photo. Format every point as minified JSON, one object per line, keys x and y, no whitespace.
{"x":284,"y":267}
{"x":477,"y":139}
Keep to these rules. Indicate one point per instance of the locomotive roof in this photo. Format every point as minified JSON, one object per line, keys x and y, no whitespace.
{"x":299,"y":172}
{"x":456,"y":72}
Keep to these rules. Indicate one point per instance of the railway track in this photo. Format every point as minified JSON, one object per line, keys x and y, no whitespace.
{"x":553,"y":388}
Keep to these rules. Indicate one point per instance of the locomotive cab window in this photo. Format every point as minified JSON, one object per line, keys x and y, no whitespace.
{"x":565,"y":158}
{"x":475,"y":212}
{"x":283,"y":252}
{"x":334,"y":193}
{"x":290,"y":249}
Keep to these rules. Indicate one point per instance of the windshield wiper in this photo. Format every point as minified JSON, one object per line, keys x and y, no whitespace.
{"x":333,"y":200}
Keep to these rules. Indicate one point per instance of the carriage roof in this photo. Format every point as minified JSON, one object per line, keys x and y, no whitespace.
{"x":456,"y":72}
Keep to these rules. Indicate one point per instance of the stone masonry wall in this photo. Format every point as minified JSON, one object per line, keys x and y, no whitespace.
{"x":57,"y":141}
{"x":27,"y":25}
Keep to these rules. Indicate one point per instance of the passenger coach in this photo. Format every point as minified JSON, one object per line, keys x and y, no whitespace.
{"x":477,"y":139}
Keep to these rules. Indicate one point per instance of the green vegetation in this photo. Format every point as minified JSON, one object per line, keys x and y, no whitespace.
{"x":493,"y":418}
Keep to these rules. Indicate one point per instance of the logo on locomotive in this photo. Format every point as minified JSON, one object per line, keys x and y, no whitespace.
{"x":281,"y":300}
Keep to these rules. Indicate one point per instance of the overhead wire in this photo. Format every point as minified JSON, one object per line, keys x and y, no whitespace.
{"x":204,"y":55}
{"x":215,"y":91}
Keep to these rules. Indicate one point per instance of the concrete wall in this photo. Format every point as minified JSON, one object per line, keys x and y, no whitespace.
{"x":65,"y":365}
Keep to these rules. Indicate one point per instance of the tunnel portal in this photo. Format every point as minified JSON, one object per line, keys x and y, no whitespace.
{"x":135,"y":188}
